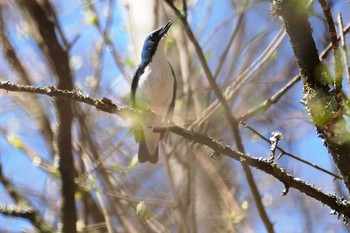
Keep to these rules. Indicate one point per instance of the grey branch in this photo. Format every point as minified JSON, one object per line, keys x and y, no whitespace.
{"x":339,"y":205}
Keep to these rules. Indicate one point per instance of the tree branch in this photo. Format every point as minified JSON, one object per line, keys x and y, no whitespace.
{"x":23,"y":209}
{"x":233,"y":123}
{"x":34,"y":106}
{"x":76,"y":95}
{"x":338,"y":204}
{"x":58,"y":61}
{"x":323,"y":104}
{"x":336,"y":52}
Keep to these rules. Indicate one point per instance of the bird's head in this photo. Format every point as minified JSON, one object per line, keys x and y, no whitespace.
{"x":156,"y":40}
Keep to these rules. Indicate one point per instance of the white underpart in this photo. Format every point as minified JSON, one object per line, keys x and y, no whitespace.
{"x":155,"y":91}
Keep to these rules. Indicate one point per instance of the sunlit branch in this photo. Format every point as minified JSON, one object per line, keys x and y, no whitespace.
{"x":264,"y":165}
{"x":76,"y":95}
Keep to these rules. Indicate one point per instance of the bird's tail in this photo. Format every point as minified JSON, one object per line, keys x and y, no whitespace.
{"x":149,"y":146}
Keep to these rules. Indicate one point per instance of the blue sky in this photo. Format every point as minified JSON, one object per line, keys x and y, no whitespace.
{"x":19,"y":168}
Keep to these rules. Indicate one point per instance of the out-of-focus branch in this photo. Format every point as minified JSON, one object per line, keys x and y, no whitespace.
{"x":34,"y":106}
{"x":274,"y":99}
{"x":23,"y":209}
{"x":287,"y":179}
{"x":242,"y":78}
{"x":270,"y":101}
{"x":344,"y":49}
{"x":105,"y":35}
{"x":233,"y":123}
{"x":323,"y":105}
{"x":91,"y":149}
{"x":333,"y":35}
{"x":57,"y":58}
{"x":29,"y":152}
{"x":223,"y":57}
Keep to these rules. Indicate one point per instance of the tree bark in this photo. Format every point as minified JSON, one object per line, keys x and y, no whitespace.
{"x":322,"y":103}
{"x":58,"y":60}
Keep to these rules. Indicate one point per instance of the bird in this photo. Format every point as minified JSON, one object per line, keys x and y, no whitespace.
{"x":153,"y":88}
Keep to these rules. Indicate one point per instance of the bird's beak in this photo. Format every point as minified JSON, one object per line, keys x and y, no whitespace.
{"x":165,"y":29}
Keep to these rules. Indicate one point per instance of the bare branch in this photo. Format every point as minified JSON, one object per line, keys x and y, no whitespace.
{"x":104,"y":33}
{"x":344,"y":49}
{"x":333,"y":35}
{"x":262,"y":164}
{"x":23,"y":209}
{"x":284,"y":152}
{"x":58,"y":60}
{"x":233,"y":123}
{"x":76,"y":95}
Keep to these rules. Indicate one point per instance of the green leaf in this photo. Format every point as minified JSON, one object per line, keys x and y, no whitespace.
{"x":77,"y":195}
{"x":142,"y":212}
{"x":130,"y":62}
{"x":133,"y":163}
{"x":207,"y":55}
{"x":90,"y":17}
{"x":14,"y":141}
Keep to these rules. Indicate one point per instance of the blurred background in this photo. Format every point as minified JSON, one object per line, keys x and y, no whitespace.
{"x":189,"y":190}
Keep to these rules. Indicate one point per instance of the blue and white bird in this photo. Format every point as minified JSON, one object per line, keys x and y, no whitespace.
{"x":153,"y":88}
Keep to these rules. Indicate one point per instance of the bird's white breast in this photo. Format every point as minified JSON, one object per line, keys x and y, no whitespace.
{"x":156,"y":85}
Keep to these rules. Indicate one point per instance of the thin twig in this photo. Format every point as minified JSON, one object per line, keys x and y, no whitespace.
{"x":270,"y":101}
{"x":290,"y":154}
{"x":325,"y":52}
{"x":130,"y":198}
{"x":29,"y":152}
{"x":184,"y":8}
{"x":229,"y":44}
{"x":274,"y":99}
{"x":243,"y":77}
{"x":108,"y":41}
{"x":344,"y":50}
{"x":333,"y":35}
{"x":23,"y":208}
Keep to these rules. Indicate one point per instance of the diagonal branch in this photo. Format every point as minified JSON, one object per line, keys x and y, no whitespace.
{"x":337,"y":204}
{"x":233,"y":123}
{"x":23,"y":209}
